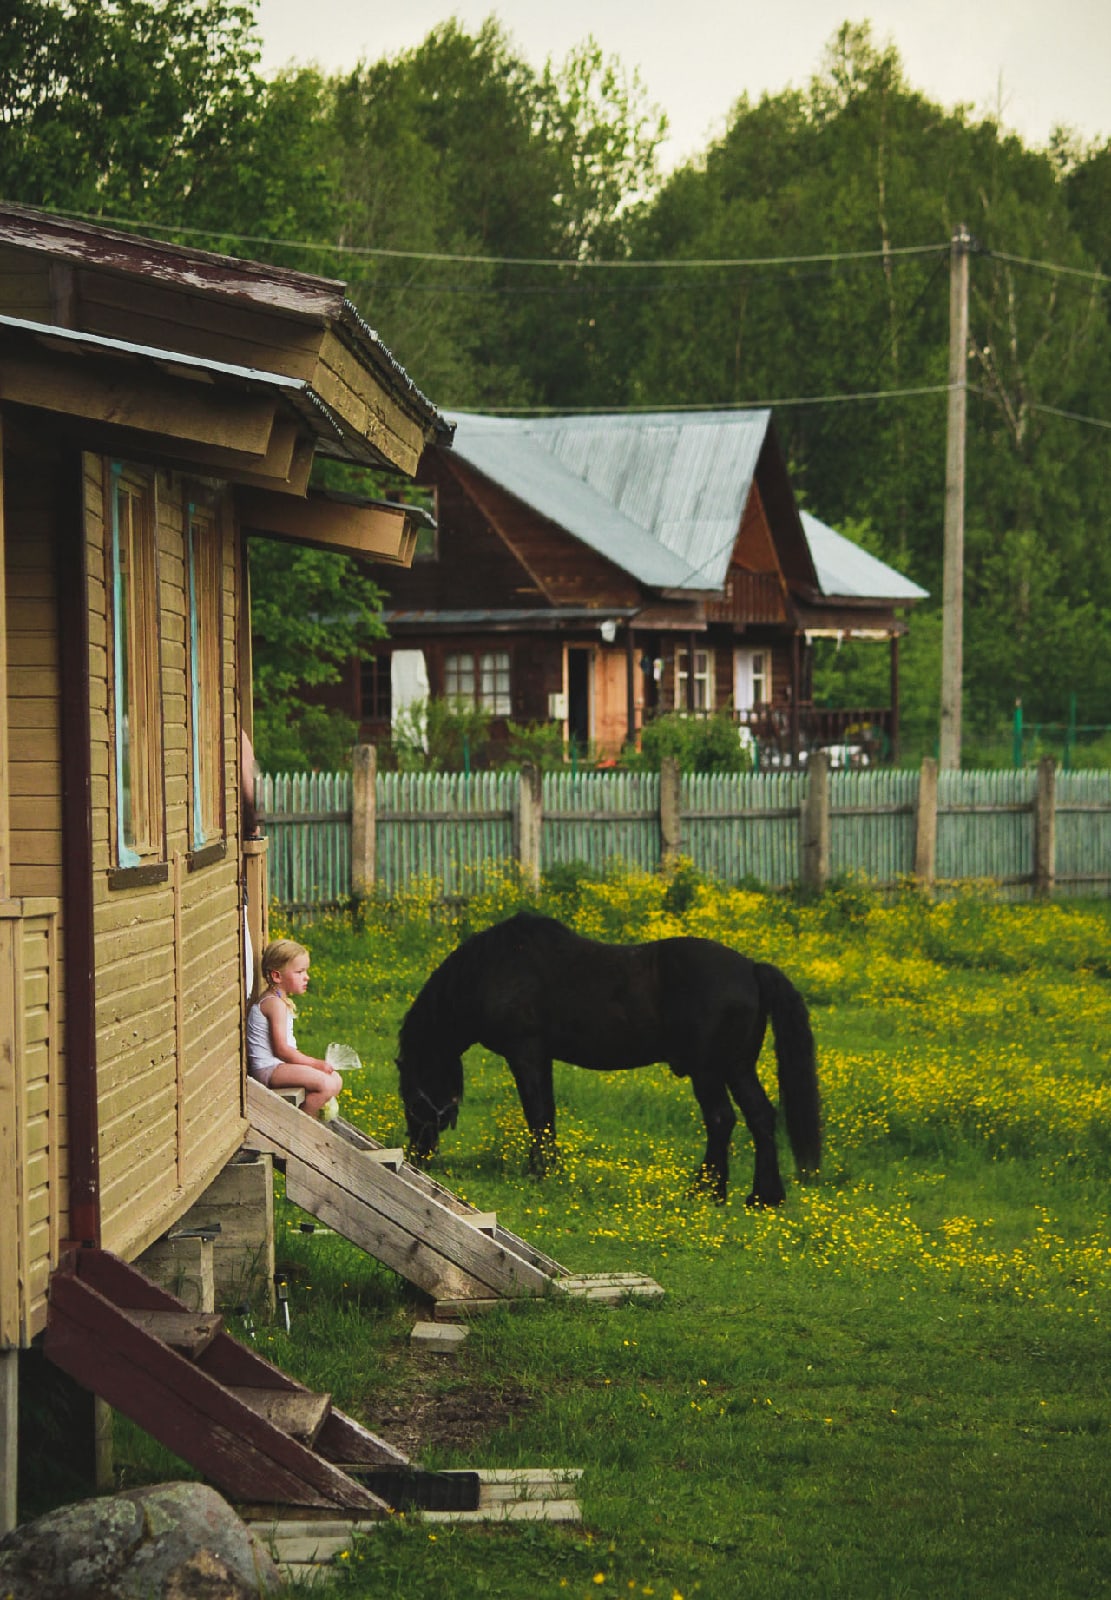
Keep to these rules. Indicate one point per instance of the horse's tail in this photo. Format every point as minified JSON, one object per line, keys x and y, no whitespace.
{"x":797,"y":1063}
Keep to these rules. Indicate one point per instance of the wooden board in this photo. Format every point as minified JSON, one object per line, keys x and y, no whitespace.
{"x":330,"y":1171}
{"x":418,"y":1263}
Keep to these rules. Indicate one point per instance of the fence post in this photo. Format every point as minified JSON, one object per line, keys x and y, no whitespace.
{"x":364,"y":783}
{"x":671,"y":825}
{"x":527,"y":819}
{"x":925,"y":825}
{"x":814,"y":824}
{"x":1045,"y":827}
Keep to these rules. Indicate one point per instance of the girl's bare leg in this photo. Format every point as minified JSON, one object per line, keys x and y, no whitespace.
{"x":319,"y":1087}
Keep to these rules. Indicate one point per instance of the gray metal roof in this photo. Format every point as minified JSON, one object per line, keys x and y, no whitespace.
{"x":661,"y":494}
{"x":845,"y":569}
{"x":516,"y":456}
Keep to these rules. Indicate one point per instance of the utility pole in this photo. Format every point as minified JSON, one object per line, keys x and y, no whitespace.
{"x":952,"y":580}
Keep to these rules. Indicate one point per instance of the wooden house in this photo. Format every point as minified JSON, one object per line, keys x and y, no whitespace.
{"x":157,"y":405}
{"x":596,"y":571}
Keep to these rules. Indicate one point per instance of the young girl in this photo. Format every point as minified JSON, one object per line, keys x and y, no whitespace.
{"x":272,"y":1054}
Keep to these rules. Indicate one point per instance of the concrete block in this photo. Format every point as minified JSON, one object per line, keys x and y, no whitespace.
{"x":184,"y":1268}
{"x":438,"y":1338}
{"x":241,"y":1203}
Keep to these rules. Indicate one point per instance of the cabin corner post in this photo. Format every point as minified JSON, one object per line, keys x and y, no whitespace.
{"x":5,"y":768}
{"x":671,"y":822}
{"x":364,"y":798}
{"x":528,"y":817}
{"x":925,"y":825}
{"x":9,"y":1440}
{"x":1045,"y":828}
{"x":814,"y":825}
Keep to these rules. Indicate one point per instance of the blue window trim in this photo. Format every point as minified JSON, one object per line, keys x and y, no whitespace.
{"x":200,"y":838}
{"x":126,"y":855}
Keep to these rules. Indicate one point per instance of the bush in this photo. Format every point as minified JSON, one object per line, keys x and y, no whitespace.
{"x":699,"y":744}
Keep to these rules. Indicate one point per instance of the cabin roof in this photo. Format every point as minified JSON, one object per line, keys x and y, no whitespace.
{"x":249,"y":286}
{"x":660,"y":494}
{"x":517,"y":456}
{"x":845,"y":569}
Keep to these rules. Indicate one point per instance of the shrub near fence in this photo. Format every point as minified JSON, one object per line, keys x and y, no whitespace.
{"x":1029,"y":831}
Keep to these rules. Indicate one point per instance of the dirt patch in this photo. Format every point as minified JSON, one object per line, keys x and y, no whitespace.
{"x":453,"y":1420}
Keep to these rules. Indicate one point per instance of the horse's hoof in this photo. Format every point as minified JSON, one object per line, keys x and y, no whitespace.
{"x":759,"y":1202}
{"x":707,"y":1181}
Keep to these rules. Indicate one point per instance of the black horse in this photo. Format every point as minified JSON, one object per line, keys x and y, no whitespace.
{"x":532,"y":991}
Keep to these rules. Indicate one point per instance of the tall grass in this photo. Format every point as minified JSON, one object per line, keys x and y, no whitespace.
{"x":896,"y":1385}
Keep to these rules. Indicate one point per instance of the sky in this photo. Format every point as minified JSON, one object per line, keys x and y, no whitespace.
{"x":1035,"y":63}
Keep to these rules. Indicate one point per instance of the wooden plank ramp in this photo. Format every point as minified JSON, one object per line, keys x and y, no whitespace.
{"x":309,"y":1549}
{"x":460,"y":1256}
{"x":254,"y":1432}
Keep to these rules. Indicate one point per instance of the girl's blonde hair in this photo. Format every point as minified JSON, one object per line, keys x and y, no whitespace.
{"x":277,"y":957}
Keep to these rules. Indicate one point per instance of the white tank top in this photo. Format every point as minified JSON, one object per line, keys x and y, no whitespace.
{"x":260,"y":1050}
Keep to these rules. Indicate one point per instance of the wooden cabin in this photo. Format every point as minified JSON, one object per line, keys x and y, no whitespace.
{"x":157,"y":406}
{"x":597,"y":571}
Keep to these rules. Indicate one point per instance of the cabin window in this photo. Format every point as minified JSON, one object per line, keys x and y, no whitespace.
{"x":479,"y":678}
{"x":136,"y":690}
{"x":703,"y":679}
{"x":204,"y":581}
{"x":374,"y":688}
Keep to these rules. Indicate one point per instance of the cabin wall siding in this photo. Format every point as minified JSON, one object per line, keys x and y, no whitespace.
{"x":168,"y":955}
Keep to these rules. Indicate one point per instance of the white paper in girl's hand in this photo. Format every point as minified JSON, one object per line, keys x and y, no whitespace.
{"x":341,"y":1058}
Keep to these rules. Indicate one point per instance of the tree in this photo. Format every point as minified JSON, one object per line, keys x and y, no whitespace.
{"x":123,"y":106}
{"x":311,"y":613}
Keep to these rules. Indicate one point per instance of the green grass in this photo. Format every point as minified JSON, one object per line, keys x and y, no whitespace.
{"x":897,"y":1385}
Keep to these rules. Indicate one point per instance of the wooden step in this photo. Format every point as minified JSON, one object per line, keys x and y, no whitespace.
{"x":297,"y":1412}
{"x":188,"y":1332}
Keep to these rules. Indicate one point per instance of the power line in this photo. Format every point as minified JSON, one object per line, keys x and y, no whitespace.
{"x":1048,"y":266}
{"x":692,"y":406}
{"x":557,"y":262}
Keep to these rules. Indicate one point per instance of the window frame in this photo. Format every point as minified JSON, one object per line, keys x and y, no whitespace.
{"x":467,"y":672}
{"x":376,"y":669}
{"x":135,"y":668}
{"x":703,"y":676}
{"x":204,"y":645}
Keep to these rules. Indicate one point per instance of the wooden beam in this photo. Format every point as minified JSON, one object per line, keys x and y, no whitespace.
{"x":355,"y":393}
{"x":378,"y":533}
{"x":132,"y":398}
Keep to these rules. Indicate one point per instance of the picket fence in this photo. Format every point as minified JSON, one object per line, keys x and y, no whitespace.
{"x":458,"y":830}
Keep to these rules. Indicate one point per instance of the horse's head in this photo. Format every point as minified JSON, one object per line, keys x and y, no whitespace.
{"x":431,"y":1089}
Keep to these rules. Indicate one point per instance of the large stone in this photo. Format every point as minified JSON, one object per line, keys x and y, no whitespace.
{"x":175,"y":1541}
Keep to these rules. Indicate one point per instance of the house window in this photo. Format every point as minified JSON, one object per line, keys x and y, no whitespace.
{"x":204,"y":577}
{"x":374,"y":688}
{"x":136,"y":696}
{"x":479,"y":678}
{"x":703,"y":679}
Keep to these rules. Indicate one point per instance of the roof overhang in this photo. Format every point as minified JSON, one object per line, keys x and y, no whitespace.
{"x":372,"y":530}
{"x":213,"y":416}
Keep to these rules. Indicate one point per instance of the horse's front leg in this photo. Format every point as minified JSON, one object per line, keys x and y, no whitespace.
{"x":759,"y":1113}
{"x":720,"y":1119}
{"x":532,"y":1073}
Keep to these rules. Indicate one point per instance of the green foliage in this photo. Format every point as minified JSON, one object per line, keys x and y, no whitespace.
{"x":539,"y":744}
{"x":131,"y":106}
{"x":311,"y":612}
{"x":440,"y":735}
{"x":699,"y":744}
